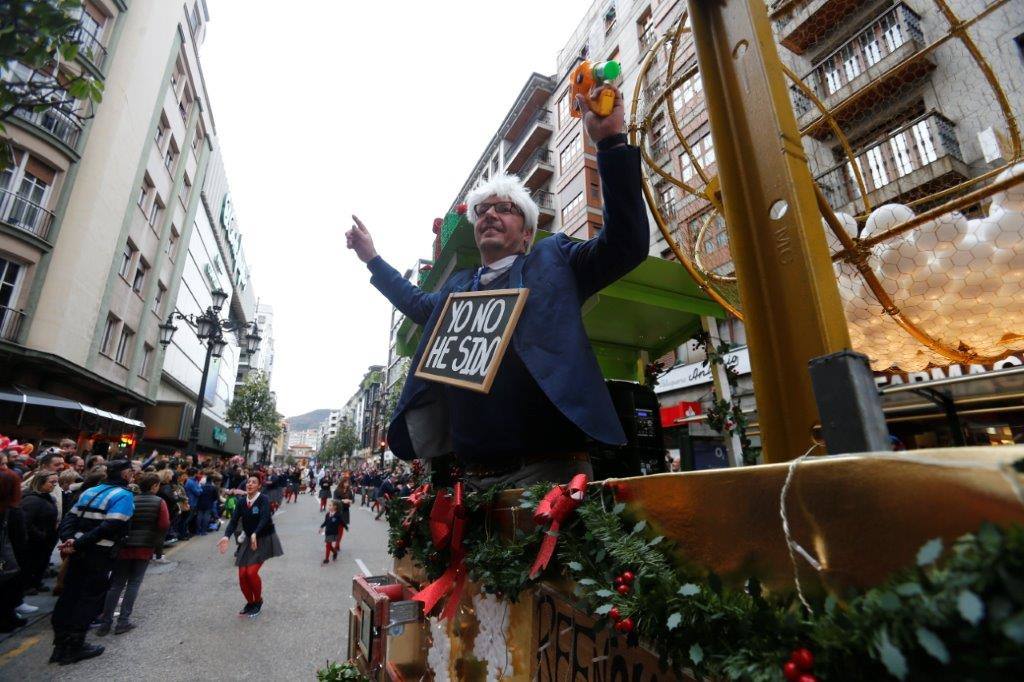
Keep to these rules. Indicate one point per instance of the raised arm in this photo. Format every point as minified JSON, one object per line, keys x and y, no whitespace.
{"x":415,"y":303}
{"x":624,"y":240}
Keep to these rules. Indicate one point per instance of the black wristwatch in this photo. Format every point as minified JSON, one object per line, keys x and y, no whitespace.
{"x":612,"y":141}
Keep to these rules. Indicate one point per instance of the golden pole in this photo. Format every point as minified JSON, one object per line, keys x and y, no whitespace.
{"x":790,"y":301}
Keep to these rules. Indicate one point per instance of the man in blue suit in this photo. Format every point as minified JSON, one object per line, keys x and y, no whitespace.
{"x":548,"y":399}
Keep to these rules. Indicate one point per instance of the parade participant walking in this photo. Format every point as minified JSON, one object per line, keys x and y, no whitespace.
{"x":90,"y":532}
{"x":548,"y":398}
{"x":258,"y":543}
{"x":344,"y":496}
{"x":325,"y":492}
{"x":148,"y":528}
{"x":332,"y":529}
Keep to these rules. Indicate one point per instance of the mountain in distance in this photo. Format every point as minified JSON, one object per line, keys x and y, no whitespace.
{"x":309,"y":420}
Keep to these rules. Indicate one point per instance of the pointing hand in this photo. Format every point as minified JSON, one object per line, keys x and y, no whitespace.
{"x":359,"y":240}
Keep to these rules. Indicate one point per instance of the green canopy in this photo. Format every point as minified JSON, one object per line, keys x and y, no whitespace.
{"x":642,"y":316}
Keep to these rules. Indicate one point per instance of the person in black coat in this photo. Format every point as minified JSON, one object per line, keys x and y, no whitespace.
{"x":332,"y":529}
{"x":257,"y":543}
{"x":40,"y":513}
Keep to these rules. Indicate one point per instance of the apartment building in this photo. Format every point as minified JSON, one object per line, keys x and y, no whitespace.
{"x":95,"y":218}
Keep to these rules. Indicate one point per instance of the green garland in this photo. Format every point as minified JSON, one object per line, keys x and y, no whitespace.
{"x":722,"y":413}
{"x":961,"y":618}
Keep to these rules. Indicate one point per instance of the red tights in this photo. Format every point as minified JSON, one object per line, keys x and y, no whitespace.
{"x":334,"y":547}
{"x":323,"y":503}
{"x":249,"y":581}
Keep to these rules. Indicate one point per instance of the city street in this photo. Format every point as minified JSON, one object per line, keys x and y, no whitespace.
{"x":186,"y":613}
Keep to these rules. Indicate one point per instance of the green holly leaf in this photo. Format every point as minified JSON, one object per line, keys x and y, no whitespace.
{"x":619,"y":508}
{"x":909,"y":590}
{"x":1014,"y":628}
{"x":689,"y":589}
{"x":656,"y":541}
{"x":929,"y":552}
{"x":640,"y":525}
{"x":575,"y":566}
{"x":889,"y":602}
{"x":673,"y":621}
{"x":931,"y":643}
{"x":605,"y":593}
{"x":603,"y":609}
{"x":696,"y":654}
{"x":890,"y":655}
{"x":586,"y":581}
{"x":970,"y":607}
{"x":830,"y":604}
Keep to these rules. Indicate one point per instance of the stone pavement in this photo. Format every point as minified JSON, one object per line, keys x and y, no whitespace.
{"x":186,"y":613}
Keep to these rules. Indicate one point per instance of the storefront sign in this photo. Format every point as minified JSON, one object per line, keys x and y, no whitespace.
{"x":697,"y":373}
{"x":470,"y":337}
{"x":949,"y":371}
{"x":220,"y":436}
{"x":570,"y":646}
{"x":673,"y":415}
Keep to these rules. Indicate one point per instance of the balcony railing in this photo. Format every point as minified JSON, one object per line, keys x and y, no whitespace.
{"x":10,"y":323}
{"x":659,"y":148}
{"x":24,"y":214}
{"x":544,"y":199}
{"x":853,"y":58}
{"x":647,"y":38}
{"x":542,"y":155}
{"x":542,"y":116}
{"x":56,"y":121}
{"x":910,"y":148}
{"x":90,"y":46}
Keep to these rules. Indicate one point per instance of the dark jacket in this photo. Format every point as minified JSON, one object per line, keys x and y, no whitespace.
{"x":332,"y":522}
{"x":40,"y":514}
{"x":145,"y":530}
{"x":255,"y":519}
{"x":166,"y":494}
{"x":207,"y":496}
{"x":341,"y":496}
{"x":550,"y":339}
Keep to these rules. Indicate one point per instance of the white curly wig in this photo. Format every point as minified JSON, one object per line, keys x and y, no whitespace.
{"x":506,"y":187}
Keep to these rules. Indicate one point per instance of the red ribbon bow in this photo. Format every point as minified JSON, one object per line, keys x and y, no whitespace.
{"x":416,"y":499}
{"x":555,"y":509}
{"x":447,"y":528}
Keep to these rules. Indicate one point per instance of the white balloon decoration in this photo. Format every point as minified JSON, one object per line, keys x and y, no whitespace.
{"x":961,"y":281}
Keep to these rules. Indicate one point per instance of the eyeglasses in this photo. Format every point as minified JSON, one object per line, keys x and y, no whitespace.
{"x":500,"y":207}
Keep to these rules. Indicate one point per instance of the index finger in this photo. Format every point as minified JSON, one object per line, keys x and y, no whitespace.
{"x":359,"y":223}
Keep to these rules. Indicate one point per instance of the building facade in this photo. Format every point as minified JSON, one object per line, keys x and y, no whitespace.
{"x":96,"y":215}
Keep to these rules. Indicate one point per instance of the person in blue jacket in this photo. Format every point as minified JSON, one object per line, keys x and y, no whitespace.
{"x":548,"y":399}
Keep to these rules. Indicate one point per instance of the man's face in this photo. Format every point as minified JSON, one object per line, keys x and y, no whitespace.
{"x":500,"y":234}
{"x":78,"y":464}
{"x":55,"y":464}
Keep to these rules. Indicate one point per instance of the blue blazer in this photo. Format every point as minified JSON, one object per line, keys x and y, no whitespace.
{"x":561,"y":274}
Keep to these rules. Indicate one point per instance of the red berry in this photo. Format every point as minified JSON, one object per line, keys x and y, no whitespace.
{"x":614,"y":613}
{"x":624,"y":625}
{"x":803,"y":658}
{"x":619,"y":581}
{"x":399,"y":544}
{"x":461,"y":209}
{"x":627,"y":577}
{"x":622,"y":589}
{"x":790,"y":671}
{"x":807,"y":677}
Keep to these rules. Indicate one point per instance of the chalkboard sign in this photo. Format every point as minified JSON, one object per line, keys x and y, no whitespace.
{"x":470,"y":338}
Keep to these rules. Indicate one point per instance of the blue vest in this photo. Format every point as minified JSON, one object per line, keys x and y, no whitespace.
{"x":550,"y":338}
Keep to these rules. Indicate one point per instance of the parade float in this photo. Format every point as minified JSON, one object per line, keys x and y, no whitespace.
{"x":819,"y":563}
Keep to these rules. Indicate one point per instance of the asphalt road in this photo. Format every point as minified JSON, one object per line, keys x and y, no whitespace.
{"x":186,"y":613}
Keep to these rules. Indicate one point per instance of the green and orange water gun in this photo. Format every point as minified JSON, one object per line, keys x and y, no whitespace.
{"x":584,"y":77}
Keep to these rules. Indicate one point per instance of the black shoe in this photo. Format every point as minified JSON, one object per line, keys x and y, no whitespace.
{"x":60,"y":647}
{"x":80,"y":653}
{"x":256,"y":608}
{"x":103,"y":630}
{"x":246,"y":610}
{"x":43,"y":588}
{"x":122,"y":628}
{"x":335,"y":557}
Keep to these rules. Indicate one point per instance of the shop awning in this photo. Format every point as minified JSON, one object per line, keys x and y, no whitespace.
{"x":28,"y":406}
{"x":673,"y":415}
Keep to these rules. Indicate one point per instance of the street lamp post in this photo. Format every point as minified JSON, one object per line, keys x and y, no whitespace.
{"x":209,"y":328}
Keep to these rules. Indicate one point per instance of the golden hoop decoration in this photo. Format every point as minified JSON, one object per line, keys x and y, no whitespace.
{"x":852,"y":251}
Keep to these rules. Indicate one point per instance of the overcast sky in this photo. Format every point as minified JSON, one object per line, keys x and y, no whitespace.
{"x":328,"y":108}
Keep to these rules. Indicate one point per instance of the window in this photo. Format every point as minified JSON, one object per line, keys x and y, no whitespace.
{"x":140,"y":276}
{"x":563,"y":111}
{"x":572,"y":208}
{"x":609,"y":18}
{"x":186,"y":190}
{"x":108,"y":334}
{"x":155,"y":211}
{"x":172,"y":242}
{"x":645,"y":30}
{"x":171,"y":156}
{"x":162,"y":129}
{"x":147,"y":355}
{"x":571,"y":153}
{"x":703,"y":152}
{"x":160,"y":291}
{"x":9,"y":272}
{"x":144,"y":192}
{"x":123,"y":344}
{"x":127,"y":256}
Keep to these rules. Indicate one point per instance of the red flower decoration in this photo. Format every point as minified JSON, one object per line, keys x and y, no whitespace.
{"x":461,"y":209}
